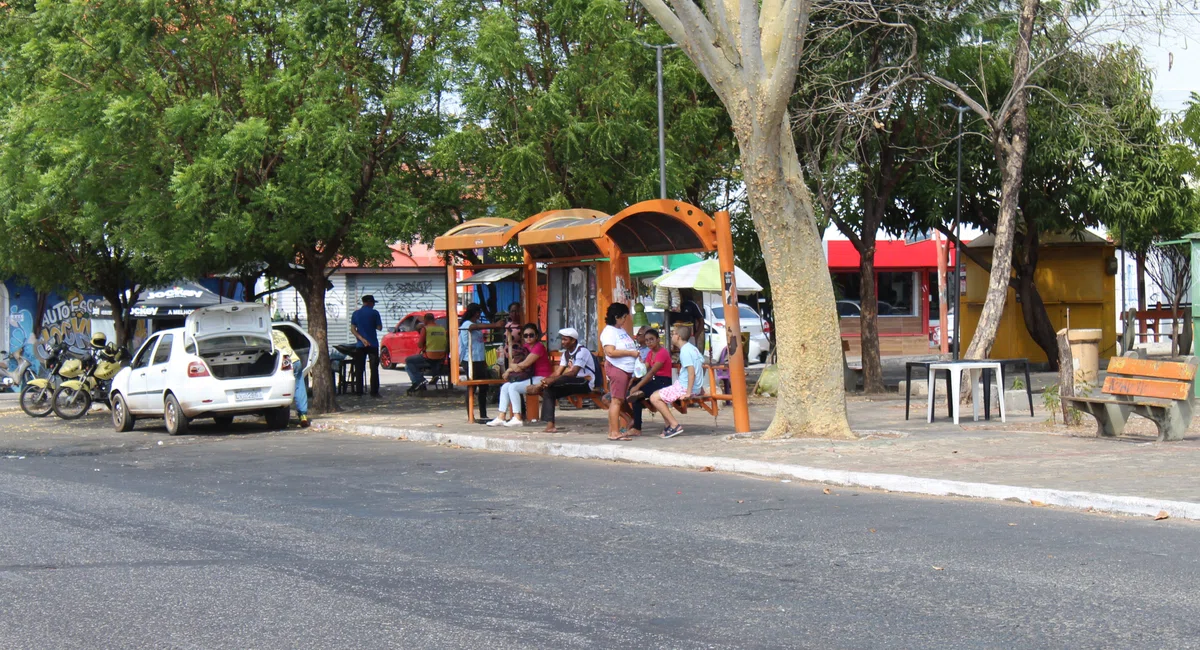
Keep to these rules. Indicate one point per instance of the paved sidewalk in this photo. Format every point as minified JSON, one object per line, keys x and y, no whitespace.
{"x":1026,"y":453}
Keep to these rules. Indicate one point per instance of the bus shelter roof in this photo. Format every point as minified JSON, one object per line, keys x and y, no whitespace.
{"x":652,"y":227}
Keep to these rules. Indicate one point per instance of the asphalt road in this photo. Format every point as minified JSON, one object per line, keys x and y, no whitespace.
{"x":322,"y":540}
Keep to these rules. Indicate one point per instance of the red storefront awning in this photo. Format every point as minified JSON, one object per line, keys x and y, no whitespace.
{"x":888,"y":255}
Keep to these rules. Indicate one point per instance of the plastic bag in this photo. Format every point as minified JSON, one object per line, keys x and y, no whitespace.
{"x":768,"y":382}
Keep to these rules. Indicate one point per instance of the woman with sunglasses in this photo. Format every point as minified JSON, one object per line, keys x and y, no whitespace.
{"x":529,"y":372}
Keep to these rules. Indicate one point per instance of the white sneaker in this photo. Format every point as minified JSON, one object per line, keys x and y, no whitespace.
{"x":515,"y":422}
{"x":496,"y":423}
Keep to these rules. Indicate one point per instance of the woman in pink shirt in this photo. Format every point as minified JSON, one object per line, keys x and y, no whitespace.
{"x":658,"y":375}
{"x":521,"y":376}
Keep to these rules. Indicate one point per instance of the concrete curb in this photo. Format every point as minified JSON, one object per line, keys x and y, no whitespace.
{"x":1125,"y":505}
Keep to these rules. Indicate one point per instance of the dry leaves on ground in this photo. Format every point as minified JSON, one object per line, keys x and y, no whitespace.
{"x":707,"y":468}
{"x":1162,"y":514}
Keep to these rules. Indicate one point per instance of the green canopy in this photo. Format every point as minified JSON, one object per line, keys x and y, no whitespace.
{"x":652,"y":264}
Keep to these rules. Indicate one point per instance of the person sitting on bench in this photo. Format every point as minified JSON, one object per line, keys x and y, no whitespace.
{"x":658,"y":376}
{"x":575,"y":375}
{"x":432,"y":347}
{"x":690,"y":382}
{"x":529,"y":372}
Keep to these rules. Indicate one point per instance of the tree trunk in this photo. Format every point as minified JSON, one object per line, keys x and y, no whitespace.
{"x":1037,"y":321}
{"x":869,"y":319}
{"x":1066,"y":373}
{"x":1010,"y":154}
{"x":1033,"y":310}
{"x":322,"y":398}
{"x":1140,"y":258}
{"x":812,"y":399}
{"x":122,"y":322}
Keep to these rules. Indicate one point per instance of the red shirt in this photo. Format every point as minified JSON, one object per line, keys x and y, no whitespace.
{"x":660,"y":356}
{"x":542,"y":366}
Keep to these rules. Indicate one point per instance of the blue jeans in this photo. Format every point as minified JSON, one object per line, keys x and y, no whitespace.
{"x":655,"y":383}
{"x":415,"y":367}
{"x":301,"y":392}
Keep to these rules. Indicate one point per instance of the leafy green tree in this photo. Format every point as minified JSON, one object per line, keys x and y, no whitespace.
{"x":275,"y":136}
{"x":559,"y":110}
{"x":80,"y":188}
{"x":863,"y":124}
{"x":1098,"y":155}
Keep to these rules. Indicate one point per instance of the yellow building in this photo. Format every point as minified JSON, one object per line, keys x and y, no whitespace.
{"x":1074,"y":275}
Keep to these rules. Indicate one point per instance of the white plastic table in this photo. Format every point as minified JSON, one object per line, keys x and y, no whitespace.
{"x":955,"y":369}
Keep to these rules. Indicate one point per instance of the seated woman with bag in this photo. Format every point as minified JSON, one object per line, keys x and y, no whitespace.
{"x":526,"y":370}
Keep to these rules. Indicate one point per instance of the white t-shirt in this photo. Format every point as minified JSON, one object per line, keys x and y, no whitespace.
{"x":621,"y":340}
{"x":582,"y":357}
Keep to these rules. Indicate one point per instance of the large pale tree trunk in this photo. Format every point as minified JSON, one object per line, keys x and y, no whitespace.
{"x":749,"y":53}
{"x":812,"y":395}
{"x":313,"y":291}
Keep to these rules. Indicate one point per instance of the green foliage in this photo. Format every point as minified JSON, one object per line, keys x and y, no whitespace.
{"x":559,"y":110}
{"x":227,"y":133}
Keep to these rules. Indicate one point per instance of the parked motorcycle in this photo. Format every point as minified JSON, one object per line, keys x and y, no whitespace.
{"x":37,"y":397}
{"x":13,"y":380}
{"x":74,"y":397}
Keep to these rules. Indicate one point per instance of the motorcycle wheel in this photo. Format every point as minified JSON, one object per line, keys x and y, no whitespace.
{"x":71,"y":404}
{"x":37,"y":401}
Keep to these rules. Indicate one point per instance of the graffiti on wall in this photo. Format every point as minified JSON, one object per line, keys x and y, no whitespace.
{"x":21,"y":342}
{"x":68,"y":321}
{"x":335,"y":304}
{"x":401,"y":297}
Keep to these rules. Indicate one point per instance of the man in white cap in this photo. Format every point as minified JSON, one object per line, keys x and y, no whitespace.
{"x":575,"y":375}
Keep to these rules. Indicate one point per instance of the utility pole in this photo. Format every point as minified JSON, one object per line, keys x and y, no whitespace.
{"x":662,"y":138}
{"x":958,"y":266}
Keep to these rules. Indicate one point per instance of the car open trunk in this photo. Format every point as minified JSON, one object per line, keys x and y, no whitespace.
{"x":234,"y":340}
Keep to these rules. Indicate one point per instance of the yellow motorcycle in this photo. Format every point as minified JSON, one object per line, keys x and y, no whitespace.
{"x":74,"y":397}
{"x":37,"y":397}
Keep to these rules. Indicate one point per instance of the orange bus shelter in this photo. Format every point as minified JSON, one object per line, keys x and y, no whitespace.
{"x":586,"y":237}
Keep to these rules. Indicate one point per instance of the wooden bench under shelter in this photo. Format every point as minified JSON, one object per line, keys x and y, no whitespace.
{"x":708,"y":401}
{"x":1160,"y":391}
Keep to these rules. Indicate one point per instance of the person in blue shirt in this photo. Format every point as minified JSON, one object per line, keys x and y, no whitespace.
{"x":364,"y":325}
{"x":689,"y":383}
{"x":473,"y":352}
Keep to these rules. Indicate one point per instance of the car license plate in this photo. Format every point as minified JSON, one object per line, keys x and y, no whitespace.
{"x":247,"y":395}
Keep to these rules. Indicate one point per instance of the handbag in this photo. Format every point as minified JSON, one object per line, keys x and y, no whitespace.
{"x":524,"y":375}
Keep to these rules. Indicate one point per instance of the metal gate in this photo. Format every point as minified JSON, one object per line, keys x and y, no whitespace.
{"x":398,"y":294}
{"x":337,"y":316}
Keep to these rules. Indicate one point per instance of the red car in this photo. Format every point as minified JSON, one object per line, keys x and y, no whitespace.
{"x":403,"y":341}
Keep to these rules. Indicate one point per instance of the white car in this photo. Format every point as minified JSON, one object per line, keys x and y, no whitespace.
{"x":749,"y":321}
{"x":222,"y":363}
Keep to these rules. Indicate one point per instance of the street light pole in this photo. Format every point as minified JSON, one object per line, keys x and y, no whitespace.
{"x":662,"y":138}
{"x":958,"y":266}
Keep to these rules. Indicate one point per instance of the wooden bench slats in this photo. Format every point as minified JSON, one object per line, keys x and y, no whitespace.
{"x":1146,"y":388}
{"x":1154,"y":369}
{"x":1145,"y":401}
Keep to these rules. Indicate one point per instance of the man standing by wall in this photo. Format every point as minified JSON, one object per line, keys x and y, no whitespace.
{"x":364,"y":324}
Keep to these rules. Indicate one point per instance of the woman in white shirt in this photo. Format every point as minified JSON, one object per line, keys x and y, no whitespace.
{"x":620,"y":355}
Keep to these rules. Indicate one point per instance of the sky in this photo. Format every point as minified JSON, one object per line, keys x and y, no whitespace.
{"x":1174,"y":80}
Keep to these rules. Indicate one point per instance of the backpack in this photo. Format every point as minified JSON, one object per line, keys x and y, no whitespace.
{"x":591,"y":363}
